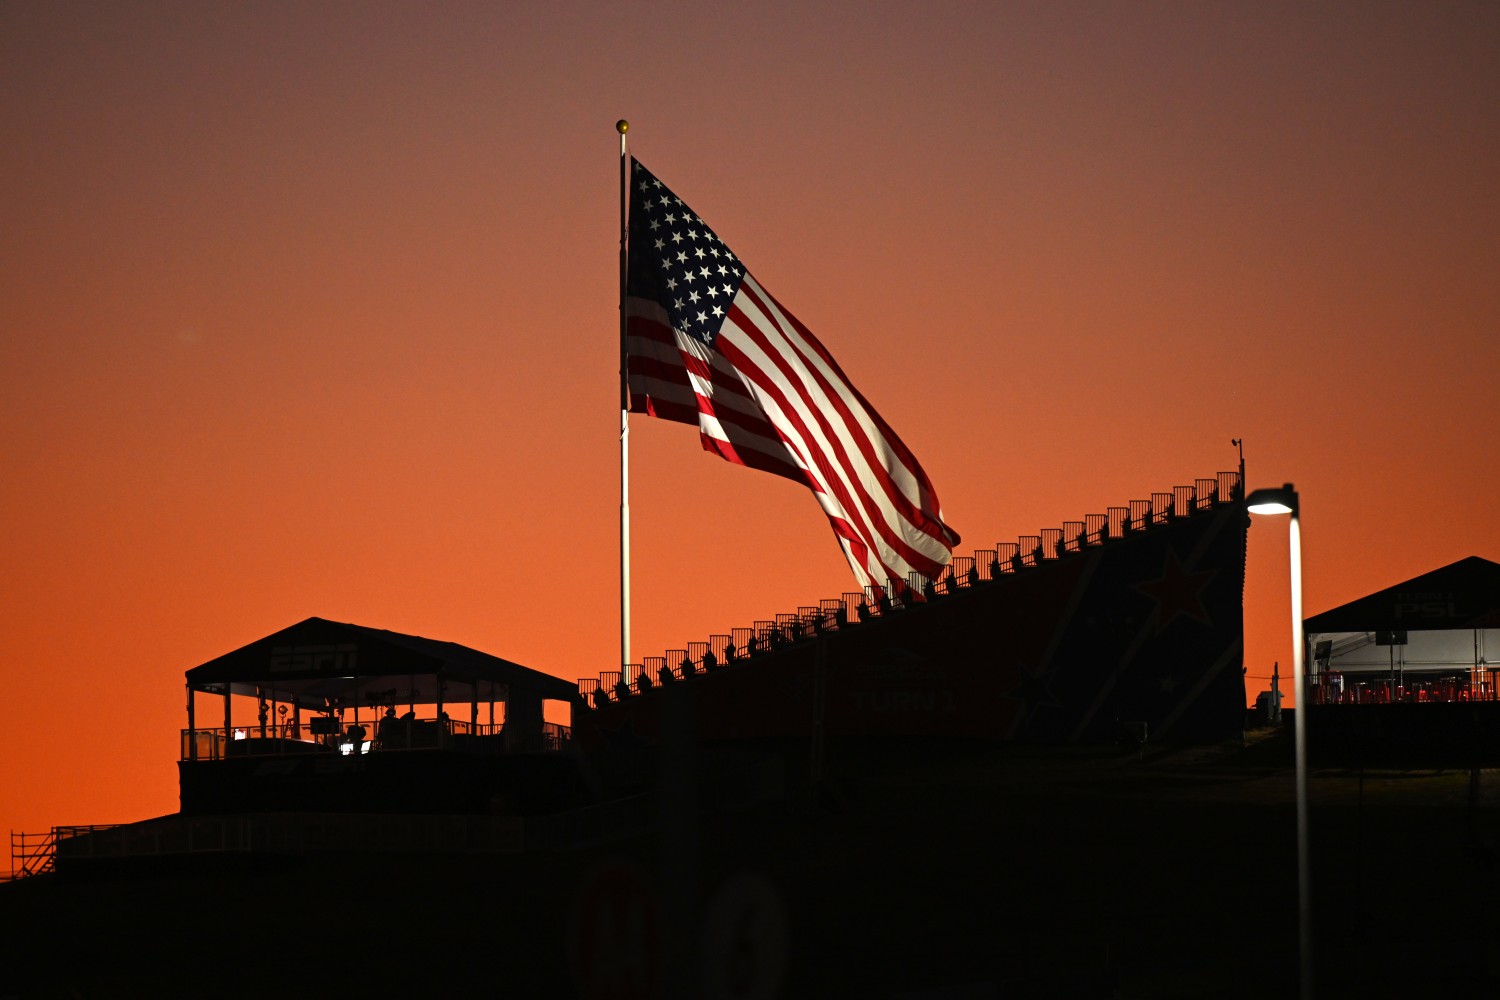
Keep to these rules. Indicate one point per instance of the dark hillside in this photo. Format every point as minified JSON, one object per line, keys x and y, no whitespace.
{"x":1006,"y":872}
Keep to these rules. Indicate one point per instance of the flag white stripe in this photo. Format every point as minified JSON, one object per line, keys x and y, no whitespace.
{"x":837,"y":442}
{"x":853,"y":464}
{"x":852,"y":422}
{"x":810,"y":358}
{"x":797,"y":443}
{"x":751,"y":431}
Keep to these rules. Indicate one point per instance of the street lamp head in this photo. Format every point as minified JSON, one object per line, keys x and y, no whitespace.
{"x":1277,"y":500}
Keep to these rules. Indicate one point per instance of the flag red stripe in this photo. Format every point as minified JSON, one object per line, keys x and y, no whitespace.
{"x":909,"y":511}
{"x":661,"y":387}
{"x":827,"y":479}
{"x":781,"y":349}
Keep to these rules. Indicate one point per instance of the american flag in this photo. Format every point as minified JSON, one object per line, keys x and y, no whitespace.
{"x":705,"y":344}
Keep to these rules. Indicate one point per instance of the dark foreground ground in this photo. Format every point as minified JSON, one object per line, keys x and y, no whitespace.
{"x":1000,"y":873}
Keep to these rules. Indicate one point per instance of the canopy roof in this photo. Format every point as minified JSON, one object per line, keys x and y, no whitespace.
{"x":1461,"y":595}
{"x":317,"y":660}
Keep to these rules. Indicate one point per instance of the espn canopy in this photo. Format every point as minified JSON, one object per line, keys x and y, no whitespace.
{"x":1443,"y":622}
{"x":1461,"y":595}
{"x":317,"y":660}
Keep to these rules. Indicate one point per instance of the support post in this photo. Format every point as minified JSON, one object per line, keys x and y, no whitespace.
{"x":622,"y":126}
{"x":192,"y":753}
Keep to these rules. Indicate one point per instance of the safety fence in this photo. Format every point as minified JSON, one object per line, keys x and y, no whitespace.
{"x":855,"y":608}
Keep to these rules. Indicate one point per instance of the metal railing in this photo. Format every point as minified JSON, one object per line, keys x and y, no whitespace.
{"x":291,"y":833}
{"x":376,"y":736}
{"x":31,"y":853}
{"x":306,"y":833}
{"x":36,"y":853}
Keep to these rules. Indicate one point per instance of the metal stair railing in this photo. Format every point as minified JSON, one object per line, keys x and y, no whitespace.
{"x":32,"y":853}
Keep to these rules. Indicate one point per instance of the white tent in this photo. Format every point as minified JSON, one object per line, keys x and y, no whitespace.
{"x":1433,"y":637}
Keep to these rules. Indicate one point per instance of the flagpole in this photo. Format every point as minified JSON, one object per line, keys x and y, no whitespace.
{"x":622,"y":126}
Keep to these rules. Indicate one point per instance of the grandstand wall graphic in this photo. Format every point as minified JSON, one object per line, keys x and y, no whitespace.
{"x":1125,"y":623}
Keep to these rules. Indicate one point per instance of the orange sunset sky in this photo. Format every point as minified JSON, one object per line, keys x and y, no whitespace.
{"x":311,"y":309}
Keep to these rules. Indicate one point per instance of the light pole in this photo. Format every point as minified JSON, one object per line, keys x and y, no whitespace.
{"x":1283,"y":500}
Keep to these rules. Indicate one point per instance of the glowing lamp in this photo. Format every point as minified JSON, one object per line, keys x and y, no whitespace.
{"x":1281,"y":500}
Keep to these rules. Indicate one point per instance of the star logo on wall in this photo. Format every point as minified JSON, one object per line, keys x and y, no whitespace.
{"x":1178,"y":592}
{"x":1033,"y":690}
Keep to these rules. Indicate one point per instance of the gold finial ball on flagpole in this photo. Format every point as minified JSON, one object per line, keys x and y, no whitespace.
{"x":622,"y":126}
